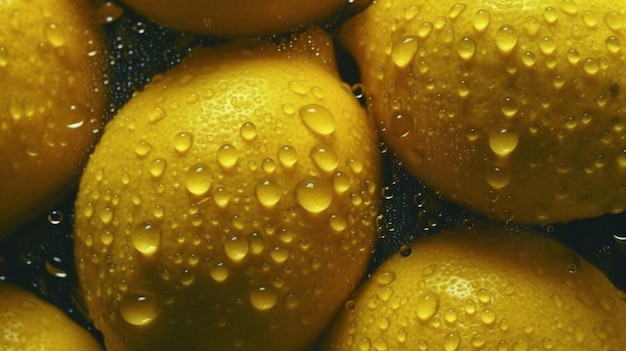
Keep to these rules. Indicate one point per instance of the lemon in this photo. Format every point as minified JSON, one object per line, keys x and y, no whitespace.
{"x":483,"y":288}
{"x":513,"y":108}
{"x":238,"y":17}
{"x":28,"y":323}
{"x":51,"y":102}
{"x":231,"y":204}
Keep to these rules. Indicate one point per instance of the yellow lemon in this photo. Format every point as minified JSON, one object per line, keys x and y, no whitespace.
{"x":238,"y":17}
{"x":513,"y":108}
{"x":29,"y":323}
{"x":483,"y":288}
{"x":231,"y":204}
{"x":51,"y":102}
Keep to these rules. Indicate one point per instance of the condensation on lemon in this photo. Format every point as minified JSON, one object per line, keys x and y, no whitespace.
{"x":514,"y":109}
{"x":27,"y":323}
{"x":483,"y":288}
{"x":240,"y":18}
{"x":52,"y":103}
{"x":231,"y":204}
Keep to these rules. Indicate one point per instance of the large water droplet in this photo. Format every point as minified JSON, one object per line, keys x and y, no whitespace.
{"x":506,"y":39}
{"x":481,"y":20}
{"x":198,"y":179}
{"x":503,"y":141}
{"x":314,"y":194}
{"x":318,"y":119}
{"x":287,"y":156}
{"x":146,"y":238}
{"x":183,"y":141}
{"x":451,"y":341}
{"x":466,"y":48}
{"x":613,"y":44}
{"x":227,"y":156}
{"x":139,"y":309}
{"x":268,"y":192}
{"x":248,"y":131}
{"x":219,"y":272}
{"x":497,"y":177}
{"x":403,"y":51}
{"x":263,"y":298}
{"x":427,"y":306}
{"x":325,"y":158}
{"x":236,"y":248}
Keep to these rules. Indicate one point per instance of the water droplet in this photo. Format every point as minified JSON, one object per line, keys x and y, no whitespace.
{"x":4,"y":56}
{"x":142,"y":149}
{"x":221,"y":196}
{"x":297,"y":88}
{"x":338,"y":222}
{"x":263,"y":298}
{"x":325,"y":158}
{"x":529,"y":59}
{"x":503,"y":141}
{"x":317,"y":92}
{"x":157,"y":114}
{"x":550,"y":14}
{"x":506,"y":39}
{"x":401,"y":125}
{"x":403,"y":51}
{"x":146,"y":238}
{"x":341,"y":182}
{"x":219,"y":272}
{"x":287,"y":156}
{"x":318,"y":119}
{"x":157,"y":167}
{"x":497,"y":177}
{"x":248,"y":131}
{"x":108,"y":13}
{"x":488,"y":316}
{"x":481,"y":20}
{"x":139,"y":309}
{"x":405,"y":251}
{"x":466,"y":48}
{"x":423,"y":31}
{"x":427,"y":306}
{"x":236,"y":248}
{"x":55,"y":35}
{"x":591,"y":66}
{"x":314,"y":194}
{"x":451,"y":341}
{"x":613,"y":44}
{"x":268,"y":192}
{"x":227,"y":156}
{"x":450,"y":316}
{"x":198,"y":179}
{"x":463,"y":88}
{"x":106,"y":216}
{"x":509,"y":107}
{"x":456,"y":10}
{"x":279,"y":254}
{"x":573,"y":56}
{"x":183,"y":141}
{"x":547,"y":45}
{"x":55,"y":217}
{"x":614,"y":20}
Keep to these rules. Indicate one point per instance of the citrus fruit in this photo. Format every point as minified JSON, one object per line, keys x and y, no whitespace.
{"x":515,"y":109}
{"x":483,"y":288}
{"x":231,"y":204}
{"x":29,"y":323}
{"x":51,"y":102}
{"x":238,"y":17}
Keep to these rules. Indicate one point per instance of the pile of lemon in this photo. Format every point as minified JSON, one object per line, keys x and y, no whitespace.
{"x":233,"y":203}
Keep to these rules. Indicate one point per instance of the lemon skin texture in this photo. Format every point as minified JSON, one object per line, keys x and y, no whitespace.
{"x":483,"y":288}
{"x":231,"y":204}
{"x":238,"y":17}
{"x":30,"y":323}
{"x":51,"y":102}
{"x":514,"y":109}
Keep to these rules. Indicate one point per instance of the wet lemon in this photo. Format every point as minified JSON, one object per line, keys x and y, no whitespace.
{"x":483,"y":288}
{"x":29,"y":323}
{"x":515,"y":109}
{"x":231,"y":204}
{"x":51,"y":102}
{"x":239,"y":17}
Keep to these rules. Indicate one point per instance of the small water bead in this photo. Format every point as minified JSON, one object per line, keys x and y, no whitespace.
{"x":139,"y":309}
{"x":146,"y":237}
{"x":509,"y":107}
{"x":256,"y":243}
{"x":506,"y":39}
{"x":478,"y":341}
{"x":248,"y":131}
{"x":573,"y":56}
{"x":450,"y":316}
{"x":341,"y":182}
{"x":298,"y":88}
{"x":183,"y":141}
{"x":401,"y":124}
{"x":488,"y":316}
{"x":157,"y":167}
{"x":106,"y":216}
{"x":466,"y":48}
{"x":591,"y":66}
{"x":4,"y":56}
{"x":318,"y":119}
{"x":287,"y":156}
{"x":157,"y":114}
{"x":503,"y":141}
{"x":614,"y":20}
{"x":227,"y":156}
{"x":451,"y":341}
{"x":263,"y":298}
{"x":325,"y":158}
{"x":463,"y":88}
{"x":424,"y":30}
{"x":236,"y":248}
{"x":547,"y":45}
{"x":569,"y":7}
{"x":55,"y":35}
{"x":403,"y":51}
{"x":219,"y":272}
{"x":317,"y":92}
{"x":268,"y":192}
{"x":529,"y":59}
{"x":279,"y":254}
{"x":314,"y":194}
{"x":142,"y":149}
{"x":456,"y":10}
{"x":427,"y":306}
{"x":497,"y":177}
{"x":108,"y":13}
{"x":550,"y":14}
{"x":106,"y":237}
{"x":198,"y":179}
{"x":55,"y":217}
{"x":338,"y":222}
{"x":481,"y":20}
